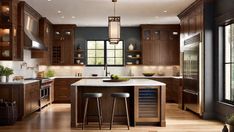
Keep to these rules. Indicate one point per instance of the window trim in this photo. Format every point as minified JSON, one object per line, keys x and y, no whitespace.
{"x":223,"y":36}
{"x":105,"y":54}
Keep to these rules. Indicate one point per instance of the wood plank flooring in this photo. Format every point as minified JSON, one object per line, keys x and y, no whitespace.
{"x":56,"y":118}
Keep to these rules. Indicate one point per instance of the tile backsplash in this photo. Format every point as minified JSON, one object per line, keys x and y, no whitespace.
{"x":25,"y":70}
{"x":124,"y":71}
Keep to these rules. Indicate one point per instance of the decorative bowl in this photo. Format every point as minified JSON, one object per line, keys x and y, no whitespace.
{"x":148,"y":74}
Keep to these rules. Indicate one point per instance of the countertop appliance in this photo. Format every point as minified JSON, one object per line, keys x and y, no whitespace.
{"x":193,"y":74}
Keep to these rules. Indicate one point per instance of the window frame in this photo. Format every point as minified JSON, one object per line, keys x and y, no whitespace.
{"x":105,"y":54}
{"x":223,"y":36}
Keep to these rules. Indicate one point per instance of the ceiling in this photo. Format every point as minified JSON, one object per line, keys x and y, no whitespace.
{"x":95,"y":12}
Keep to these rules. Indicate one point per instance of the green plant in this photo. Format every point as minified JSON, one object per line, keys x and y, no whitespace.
{"x":1,"y":70}
{"x":50,"y":73}
{"x":230,"y":119}
{"x":7,"y":71}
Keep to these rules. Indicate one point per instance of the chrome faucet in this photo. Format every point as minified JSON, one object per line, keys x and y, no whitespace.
{"x":105,"y":68}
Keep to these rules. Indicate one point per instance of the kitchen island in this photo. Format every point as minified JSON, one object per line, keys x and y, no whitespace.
{"x":146,"y":103}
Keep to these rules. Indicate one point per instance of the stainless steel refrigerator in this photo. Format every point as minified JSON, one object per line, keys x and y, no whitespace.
{"x":193,"y":74}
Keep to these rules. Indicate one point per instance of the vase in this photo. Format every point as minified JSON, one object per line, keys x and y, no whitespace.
{"x":130,"y":47}
{"x":7,"y":78}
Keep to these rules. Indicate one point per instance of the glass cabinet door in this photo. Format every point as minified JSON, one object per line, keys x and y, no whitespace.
{"x":147,"y":34}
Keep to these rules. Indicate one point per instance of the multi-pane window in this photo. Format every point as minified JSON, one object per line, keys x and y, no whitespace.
{"x":95,"y":52}
{"x":102,"y":52}
{"x":114,"y":53}
{"x":229,"y":63}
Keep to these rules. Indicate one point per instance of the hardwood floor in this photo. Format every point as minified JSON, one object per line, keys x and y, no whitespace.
{"x":56,"y":118}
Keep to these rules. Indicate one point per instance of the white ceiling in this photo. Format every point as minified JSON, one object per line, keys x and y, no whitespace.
{"x":96,"y":12}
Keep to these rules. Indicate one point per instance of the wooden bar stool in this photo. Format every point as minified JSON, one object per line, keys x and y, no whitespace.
{"x":96,"y":96}
{"x":124,"y":96}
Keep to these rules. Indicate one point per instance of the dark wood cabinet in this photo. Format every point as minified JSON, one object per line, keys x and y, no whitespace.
{"x":173,"y":89}
{"x":62,"y":89}
{"x":32,"y":98}
{"x":27,"y":97}
{"x":63,"y":44}
{"x":160,"y":44}
{"x":10,"y":49}
{"x":192,"y":20}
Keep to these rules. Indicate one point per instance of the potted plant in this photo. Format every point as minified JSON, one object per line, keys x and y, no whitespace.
{"x":1,"y":72}
{"x":230,"y":122}
{"x":50,"y":73}
{"x":7,"y":72}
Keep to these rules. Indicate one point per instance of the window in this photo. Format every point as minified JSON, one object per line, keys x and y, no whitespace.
{"x":229,"y":63}
{"x":102,"y":52}
{"x":95,"y":52}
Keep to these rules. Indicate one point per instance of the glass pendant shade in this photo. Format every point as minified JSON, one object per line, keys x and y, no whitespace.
{"x":114,"y":29}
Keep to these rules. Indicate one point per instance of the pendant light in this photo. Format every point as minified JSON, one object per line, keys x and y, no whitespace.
{"x":114,"y":27}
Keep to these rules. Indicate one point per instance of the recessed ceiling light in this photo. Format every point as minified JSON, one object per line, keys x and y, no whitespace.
{"x":62,"y":17}
{"x":49,"y":0}
{"x":165,"y":11}
{"x":73,"y":17}
{"x":59,"y":12}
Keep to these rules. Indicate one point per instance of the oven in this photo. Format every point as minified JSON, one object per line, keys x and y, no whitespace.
{"x":45,"y":92}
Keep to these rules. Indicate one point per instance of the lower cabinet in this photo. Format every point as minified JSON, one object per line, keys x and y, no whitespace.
{"x":62,"y":89}
{"x":32,"y":98}
{"x":173,"y":89}
{"x":27,"y":97}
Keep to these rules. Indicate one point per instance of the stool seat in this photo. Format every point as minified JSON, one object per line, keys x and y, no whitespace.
{"x":92,"y":95}
{"x":120,"y":95}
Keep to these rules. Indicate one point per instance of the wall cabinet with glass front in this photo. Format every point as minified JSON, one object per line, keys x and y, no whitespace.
{"x":63,"y":44}
{"x":9,"y":49}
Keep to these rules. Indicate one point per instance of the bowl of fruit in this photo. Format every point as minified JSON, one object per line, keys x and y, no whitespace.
{"x":115,"y":78}
{"x":148,"y":74}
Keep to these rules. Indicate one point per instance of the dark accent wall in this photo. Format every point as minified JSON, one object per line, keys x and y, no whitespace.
{"x":224,"y":12}
{"x":128,"y":35}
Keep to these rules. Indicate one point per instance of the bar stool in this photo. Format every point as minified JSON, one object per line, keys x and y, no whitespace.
{"x":115,"y":96}
{"x":96,"y":96}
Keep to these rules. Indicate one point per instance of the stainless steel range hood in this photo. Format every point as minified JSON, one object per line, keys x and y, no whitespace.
{"x":31,"y":30}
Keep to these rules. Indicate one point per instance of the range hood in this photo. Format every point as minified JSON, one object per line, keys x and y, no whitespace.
{"x":31,"y":39}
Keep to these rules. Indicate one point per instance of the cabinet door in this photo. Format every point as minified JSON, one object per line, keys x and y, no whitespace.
{"x":147,"y":104}
{"x":147,"y":34}
{"x":62,"y":89}
{"x":58,"y":34}
{"x":147,"y":56}
{"x":27,"y":99}
{"x":35,"y":97}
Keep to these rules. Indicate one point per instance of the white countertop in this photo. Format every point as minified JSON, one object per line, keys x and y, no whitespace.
{"x":19,"y":82}
{"x":133,"y":77}
{"x":131,"y":82}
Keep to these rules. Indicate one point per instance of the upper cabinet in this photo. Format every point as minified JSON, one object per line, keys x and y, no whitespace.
{"x":192,"y":20}
{"x":9,"y":48}
{"x":160,"y":44}
{"x":63,"y":44}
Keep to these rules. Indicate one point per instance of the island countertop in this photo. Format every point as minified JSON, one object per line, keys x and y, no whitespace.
{"x":131,"y":82}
